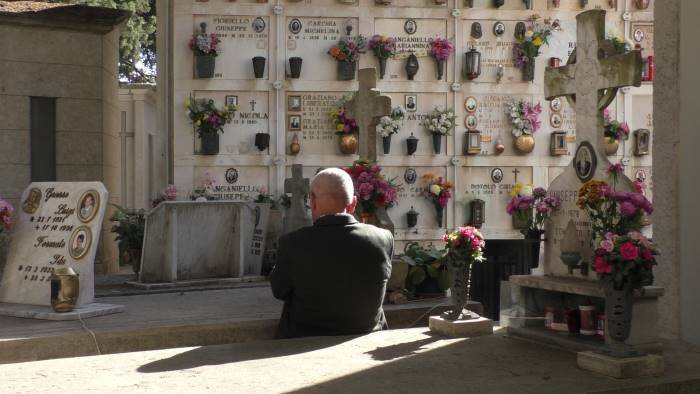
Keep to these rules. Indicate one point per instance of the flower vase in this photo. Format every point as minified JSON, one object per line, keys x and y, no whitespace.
{"x":348,"y":143}
{"x":531,"y":251}
{"x":210,"y":143}
{"x":437,"y":143}
{"x":205,"y":66}
{"x":525,"y":143}
{"x":618,"y":312}
{"x":259,"y":66}
{"x":386,"y":144}
{"x":262,"y":141}
{"x":529,"y":70}
{"x":459,"y":293}
{"x":295,"y":67}
{"x":611,"y":146}
{"x":411,"y":144}
{"x":439,"y":213}
{"x":346,"y":71}
{"x":382,"y":67}
{"x":440,"y":64}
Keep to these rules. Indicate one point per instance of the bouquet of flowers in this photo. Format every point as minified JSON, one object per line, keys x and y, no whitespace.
{"x":383,"y":46}
{"x":528,"y":47}
{"x":343,"y":124}
{"x":349,"y":49}
{"x":437,"y":190}
{"x":439,"y":121}
{"x":372,"y":189}
{"x":531,"y":207}
{"x":206,"y":118}
{"x":169,"y":193}
{"x":464,"y":246}
{"x":6,"y":210}
{"x":618,"y":42}
{"x":440,"y":48}
{"x":615,"y":130}
{"x":628,"y":257}
{"x":391,"y":124}
{"x":203,"y":44}
{"x":524,"y":116}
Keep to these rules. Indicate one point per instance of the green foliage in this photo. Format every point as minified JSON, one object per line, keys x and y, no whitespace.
{"x":130,"y":227}
{"x":137,"y":46}
{"x":425,"y":263}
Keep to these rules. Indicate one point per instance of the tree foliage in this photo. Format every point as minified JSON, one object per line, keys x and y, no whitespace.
{"x":137,"y":46}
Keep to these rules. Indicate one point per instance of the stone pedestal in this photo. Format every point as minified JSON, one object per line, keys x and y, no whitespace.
{"x":461,"y":328}
{"x":621,"y":368}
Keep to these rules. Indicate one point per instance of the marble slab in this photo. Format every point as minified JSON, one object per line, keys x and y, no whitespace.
{"x":232,"y":183}
{"x":47,"y":313}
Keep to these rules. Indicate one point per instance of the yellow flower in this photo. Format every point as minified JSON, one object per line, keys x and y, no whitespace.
{"x":537,"y":41}
{"x":340,"y":127}
{"x":516,"y":189}
{"x":197,"y":123}
{"x":236,"y":108}
{"x":435,"y":189}
{"x":205,"y":117}
{"x":188,"y":103}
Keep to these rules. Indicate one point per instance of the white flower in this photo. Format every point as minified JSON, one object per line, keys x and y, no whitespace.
{"x":517,"y":133}
{"x":529,"y":34}
{"x":435,"y":189}
{"x":526,"y":191}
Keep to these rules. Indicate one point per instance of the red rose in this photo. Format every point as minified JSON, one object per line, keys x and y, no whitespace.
{"x":629,"y":251}
{"x":601,"y":266}
{"x":647,"y":255}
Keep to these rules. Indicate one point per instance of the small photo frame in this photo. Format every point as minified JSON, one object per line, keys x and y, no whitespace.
{"x":555,"y":120}
{"x":499,"y":28}
{"x":231,"y":100}
{"x":80,"y":242}
{"x":555,"y":105}
{"x":88,"y":205}
{"x":470,"y":104}
{"x":473,"y":143}
{"x":33,"y":201}
{"x":294,"y":103}
{"x":470,"y":122}
{"x":411,"y":102}
{"x":410,"y":26}
{"x":558,"y":144}
{"x":294,"y":122}
{"x":642,"y":138}
{"x":497,"y":175}
{"x":585,"y":161}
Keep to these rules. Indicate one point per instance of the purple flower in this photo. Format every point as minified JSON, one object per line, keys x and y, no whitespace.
{"x":539,"y":192}
{"x":628,"y":209}
{"x":614,"y":169}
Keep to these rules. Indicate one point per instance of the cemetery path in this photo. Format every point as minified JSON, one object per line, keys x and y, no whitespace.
{"x":396,"y":361}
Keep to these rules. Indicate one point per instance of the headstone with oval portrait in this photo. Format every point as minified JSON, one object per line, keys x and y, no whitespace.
{"x":59,"y":226}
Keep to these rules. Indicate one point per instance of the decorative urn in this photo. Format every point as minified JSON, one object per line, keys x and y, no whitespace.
{"x":65,"y":289}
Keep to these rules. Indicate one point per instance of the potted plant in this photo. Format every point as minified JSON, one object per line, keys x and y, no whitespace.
{"x":204,"y":47}
{"x":463,"y":247}
{"x":129,"y":226}
{"x":440,"y":49}
{"x":208,"y":121}
{"x":527,"y":47}
{"x":383,"y":47}
{"x":372,"y":189}
{"x":347,"y":54}
{"x":437,"y":190}
{"x":524,"y":116}
{"x":390,"y":125}
{"x":6,"y":210}
{"x":529,"y":208}
{"x":615,"y":132}
{"x":347,"y":129}
{"x":439,"y":122}
{"x":427,"y":274}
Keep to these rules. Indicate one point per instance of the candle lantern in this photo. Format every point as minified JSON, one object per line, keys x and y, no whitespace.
{"x":477,"y":208}
{"x":412,"y":218}
{"x":473,"y":63}
{"x":411,"y":144}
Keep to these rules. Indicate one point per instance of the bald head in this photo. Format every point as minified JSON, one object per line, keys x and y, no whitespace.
{"x":332,"y":192}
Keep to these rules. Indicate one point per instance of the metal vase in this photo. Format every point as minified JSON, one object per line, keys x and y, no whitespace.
{"x":439,"y":214}
{"x":618,"y":311}
{"x":259,"y":66}
{"x":611,"y":146}
{"x":411,"y":144}
{"x":204,"y":65}
{"x":348,"y":143}
{"x":65,"y":289}
{"x":437,"y":143}
{"x":412,"y":66}
{"x":529,"y":71}
{"x":210,"y":143}
{"x":262,"y":141}
{"x":412,"y":218}
{"x":440,"y":64}
{"x":386,"y":144}
{"x":472,"y":64}
{"x":499,"y":3}
{"x":295,"y":67}
{"x":459,"y":290}
{"x":525,"y":143}
{"x":346,"y":71}
{"x":382,"y":67}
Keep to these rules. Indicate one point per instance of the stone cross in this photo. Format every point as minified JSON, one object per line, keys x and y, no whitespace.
{"x":296,"y":216}
{"x":583,"y":81}
{"x":366,"y":108}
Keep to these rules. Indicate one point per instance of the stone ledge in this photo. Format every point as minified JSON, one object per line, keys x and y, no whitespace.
{"x":591,"y":288}
{"x":47,"y":313}
{"x":621,"y":368}
{"x":195,"y":283}
{"x":461,"y":328}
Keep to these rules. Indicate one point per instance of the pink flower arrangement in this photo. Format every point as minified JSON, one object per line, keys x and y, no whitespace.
{"x":524,"y":116}
{"x":625,"y":258}
{"x":372,"y":189}
{"x":203,"y":44}
{"x":6,"y":210}
{"x":169,"y":193}
{"x":463,"y":247}
{"x":440,"y":48}
{"x":615,"y":130}
{"x":383,"y":46}
{"x":437,"y":190}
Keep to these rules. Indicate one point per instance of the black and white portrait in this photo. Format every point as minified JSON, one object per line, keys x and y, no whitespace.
{"x":294,"y":103}
{"x":294,"y":122}
{"x":470,"y":104}
{"x":259,"y":25}
{"x":497,"y":175}
{"x":295,"y":26}
{"x":499,"y":28}
{"x":410,"y":176}
{"x":470,"y":122}
{"x":555,"y":120}
{"x":88,"y":204}
{"x":585,"y":161}
{"x":410,"y":26}
{"x":32,"y":202}
{"x":555,"y":104}
{"x":411,"y":102}
{"x":231,"y":100}
{"x":638,"y":35}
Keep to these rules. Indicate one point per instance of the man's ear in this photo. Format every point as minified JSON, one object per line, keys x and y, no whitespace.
{"x":351,"y":208}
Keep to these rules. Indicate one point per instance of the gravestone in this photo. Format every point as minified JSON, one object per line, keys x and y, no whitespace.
{"x":296,"y":216}
{"x":59,"y":225}
{"x":367,"y":107}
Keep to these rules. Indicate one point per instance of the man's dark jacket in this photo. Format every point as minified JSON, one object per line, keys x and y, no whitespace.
{"x":332,"y":277}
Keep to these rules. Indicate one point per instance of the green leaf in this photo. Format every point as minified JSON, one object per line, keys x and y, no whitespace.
{"x":406,"y":259}
{"x":418,"y":277}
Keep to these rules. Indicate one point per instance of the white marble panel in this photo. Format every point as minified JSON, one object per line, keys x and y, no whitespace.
{"x":233,"y":183}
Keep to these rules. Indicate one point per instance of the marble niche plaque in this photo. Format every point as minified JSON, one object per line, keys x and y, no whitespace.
{"x":59,"y":225}
{"x":642,"y":33}
{"x":238,"y":137}
{"x":423,"y":103}
{"x":409,"y":196}
{"x":493,"y":185}
{"x":310,"y":111}
{"x":310,"y":38}
{"x":418,"y":42}
{"x":493,"y":121}
{"x":233,"y":183}
{"x":242,"y":38}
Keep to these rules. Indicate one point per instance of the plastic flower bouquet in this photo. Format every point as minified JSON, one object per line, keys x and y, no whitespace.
{"x":349,"y":49}
{"x":615,"y":130}
{"x":389,"y":125}
{"x":440,"y":48}
{"x":625,"y":258}
{"x":383,"y":46}
{"x":206,"y":118}
{"x":528,"y":47}
{"x":203,"y":44}
{"x":440,"y":121}
{"x":524,"y":116}
{"x":372,"y":189}
{"x":343,"y":124}
{"x":464,"y":246}
{"x":6,"y":210}
{"x":437,"y":190}
{"x":531,"y":207}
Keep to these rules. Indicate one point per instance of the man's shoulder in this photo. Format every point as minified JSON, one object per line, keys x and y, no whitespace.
{"x":375,"y":232}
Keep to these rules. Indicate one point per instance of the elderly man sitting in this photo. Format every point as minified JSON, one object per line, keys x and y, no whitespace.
{"x":332,"y":276}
